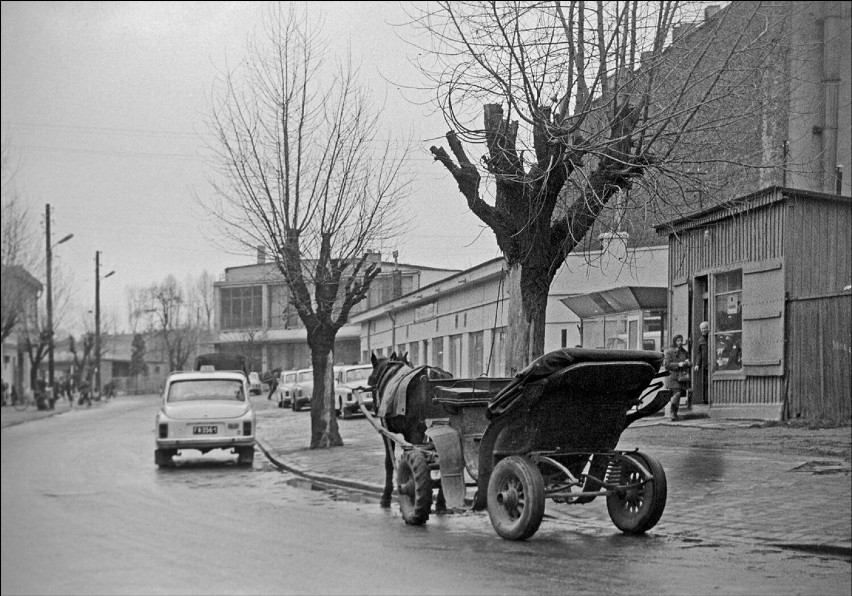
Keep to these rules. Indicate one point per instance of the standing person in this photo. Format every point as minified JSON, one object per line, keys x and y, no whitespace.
{"x":273,"y":382}
{"x":5,"y":392}
{"x":85,"y":396}
{"x":701,"y":361}
{"x":676,"y":361}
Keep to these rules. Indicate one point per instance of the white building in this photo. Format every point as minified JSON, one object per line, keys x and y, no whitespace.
{"x":459,"y":323}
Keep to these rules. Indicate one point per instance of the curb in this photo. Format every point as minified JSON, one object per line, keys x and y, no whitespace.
{"x":319,"y":479}
{"x":838,"y":550}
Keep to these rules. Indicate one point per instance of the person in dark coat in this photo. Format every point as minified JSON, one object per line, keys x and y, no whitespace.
{"x":676,"y":361}
{"x":273,"y":382}
{"x":702,"y":359}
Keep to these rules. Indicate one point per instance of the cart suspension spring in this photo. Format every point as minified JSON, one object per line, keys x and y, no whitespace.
{"x":613,"y":472}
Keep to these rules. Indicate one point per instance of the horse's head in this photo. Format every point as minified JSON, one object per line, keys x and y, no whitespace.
{"x":382,"y":364}
{"x":383,"y":369}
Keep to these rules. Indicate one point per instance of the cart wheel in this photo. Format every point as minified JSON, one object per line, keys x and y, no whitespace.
{"x":515,"y":498}
{"x":414,"y":487}
{"x":638,"y":509}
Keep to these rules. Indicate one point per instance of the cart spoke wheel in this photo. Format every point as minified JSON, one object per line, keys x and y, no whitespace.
{"x":516,"y":498}
{"x":414,"y":487}
{"x":637,"y":505}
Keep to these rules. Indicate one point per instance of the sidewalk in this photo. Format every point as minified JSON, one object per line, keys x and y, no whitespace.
{"x":728,"y":481}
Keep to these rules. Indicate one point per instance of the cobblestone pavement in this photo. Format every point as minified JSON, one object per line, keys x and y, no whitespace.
{"x":729,"y":481}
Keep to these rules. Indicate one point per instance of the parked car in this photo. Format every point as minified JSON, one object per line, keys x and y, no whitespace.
{"x":302,"y":389}
{"x":284,"y":391}
{"x":347,"y":381}
{"x":255,"y":387}
{"x":205,"y":411}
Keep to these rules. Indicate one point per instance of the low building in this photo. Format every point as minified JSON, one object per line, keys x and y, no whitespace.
{"x":459,"y":323}
{"x":255,"y":317}
{"x":772,"y":274}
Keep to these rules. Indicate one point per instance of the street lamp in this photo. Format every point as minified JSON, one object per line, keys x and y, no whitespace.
{"x":98,"y":279}
{"x":50,"y":246}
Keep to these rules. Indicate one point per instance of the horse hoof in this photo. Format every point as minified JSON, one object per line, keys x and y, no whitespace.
{"x":385,"y":503}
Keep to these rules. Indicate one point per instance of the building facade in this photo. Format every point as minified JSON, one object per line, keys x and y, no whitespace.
{"x":772,"y":274}
{"x":256,"y":318}
{"x":459,"y":323}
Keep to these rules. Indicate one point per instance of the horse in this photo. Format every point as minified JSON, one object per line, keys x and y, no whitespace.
{"x":402,"y":403}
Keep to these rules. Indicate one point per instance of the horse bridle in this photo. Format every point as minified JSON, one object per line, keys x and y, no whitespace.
{"x":388,"y":368}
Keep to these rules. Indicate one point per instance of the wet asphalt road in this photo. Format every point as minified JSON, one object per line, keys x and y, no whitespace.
{"x":86,"y":511}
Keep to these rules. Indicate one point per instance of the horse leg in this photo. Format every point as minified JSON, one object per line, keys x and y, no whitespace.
{"x":388,"y":491}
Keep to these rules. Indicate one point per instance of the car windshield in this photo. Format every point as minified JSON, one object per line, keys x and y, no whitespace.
{"x":358,"y":374}
{"x":306,"y":376}
{"x":206,"y":389}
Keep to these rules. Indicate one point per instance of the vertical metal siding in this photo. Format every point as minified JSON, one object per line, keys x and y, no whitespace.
{"x":820,"y":376}
{"x":750,"y":236}
{"x":818,"y":247}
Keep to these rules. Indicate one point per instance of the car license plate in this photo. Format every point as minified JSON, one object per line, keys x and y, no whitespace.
{"x":209,"y":429}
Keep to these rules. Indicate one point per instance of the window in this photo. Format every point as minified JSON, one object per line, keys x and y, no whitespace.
{"x":564,"y":340}
{"x":455,"y":355}
{"x":282,"y":314}
{"x":728,"y":311}
{"x":475,"y":354}
{"x":242,"y":307}
{"x":414,"y":353}
{"x":438,"y":352}
{"x":498,"y":353}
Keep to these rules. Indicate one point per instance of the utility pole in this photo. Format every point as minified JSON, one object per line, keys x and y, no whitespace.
{"x":49,"y":253}
{"x":49,"y":246}
{"x":97,"y":386}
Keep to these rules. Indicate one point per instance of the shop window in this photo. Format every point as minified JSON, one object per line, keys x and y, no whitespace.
{"x":728,"y":334}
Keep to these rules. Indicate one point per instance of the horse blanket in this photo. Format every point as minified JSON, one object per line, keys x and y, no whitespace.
{"x":394,"y":391}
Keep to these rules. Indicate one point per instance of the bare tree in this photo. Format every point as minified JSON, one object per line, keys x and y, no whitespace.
{"x":33,"y":324}
{"x":201,"y":298}
{"x":163,"y":307}
{"x":305,"y":176}
{"x":592,"y":118}
{"x":19,"y":250}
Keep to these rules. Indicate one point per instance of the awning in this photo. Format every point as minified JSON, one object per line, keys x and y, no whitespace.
{"x":617,"y":300}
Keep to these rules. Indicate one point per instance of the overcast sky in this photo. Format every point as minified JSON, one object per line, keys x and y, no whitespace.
{"x":105,"y":105}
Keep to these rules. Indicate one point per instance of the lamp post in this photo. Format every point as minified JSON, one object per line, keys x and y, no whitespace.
{"x":98,"y":279}
{"x":50,"y":246}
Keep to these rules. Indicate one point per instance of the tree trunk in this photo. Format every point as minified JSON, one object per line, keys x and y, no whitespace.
{"x":527,"y":317}
{"x":324,"y":429}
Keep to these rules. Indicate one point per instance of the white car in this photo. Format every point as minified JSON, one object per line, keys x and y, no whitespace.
{"x":284,"y":390}
{"x":205,"y":411}
{"x":303,"y":388}
{"x":255,"y":387}
{"x":347,"y":381}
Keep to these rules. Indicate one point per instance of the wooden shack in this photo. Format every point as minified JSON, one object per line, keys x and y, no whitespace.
{"x":771,"y":273}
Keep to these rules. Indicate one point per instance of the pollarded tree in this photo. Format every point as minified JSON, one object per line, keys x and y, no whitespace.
{"x":591,"y":115}
{"x":305,"y":177}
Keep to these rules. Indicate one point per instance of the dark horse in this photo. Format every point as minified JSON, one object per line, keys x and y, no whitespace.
{"x":403,"y":403}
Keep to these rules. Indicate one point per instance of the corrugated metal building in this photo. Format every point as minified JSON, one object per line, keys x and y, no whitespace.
{"x":772,"y":274}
